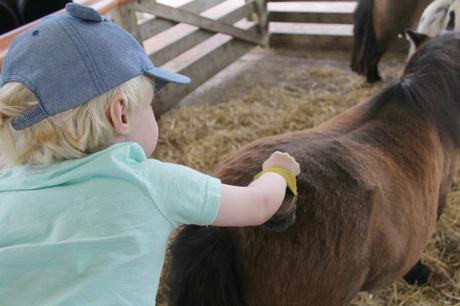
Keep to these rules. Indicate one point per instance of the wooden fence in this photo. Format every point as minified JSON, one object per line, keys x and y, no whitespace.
{"x":318,"y":24}
{"x":306,"y":24}
{"x":197,"y":38}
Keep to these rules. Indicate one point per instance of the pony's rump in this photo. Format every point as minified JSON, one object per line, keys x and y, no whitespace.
{"x":203,"y":268}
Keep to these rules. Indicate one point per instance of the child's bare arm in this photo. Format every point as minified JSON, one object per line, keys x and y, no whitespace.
{"x":258,"y":202}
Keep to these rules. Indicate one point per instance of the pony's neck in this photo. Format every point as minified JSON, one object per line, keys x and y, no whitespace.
{"x":403,"y":128}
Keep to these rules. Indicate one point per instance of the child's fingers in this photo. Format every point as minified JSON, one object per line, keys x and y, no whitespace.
{"x":296,"y":168}
{"x":284,"y":160}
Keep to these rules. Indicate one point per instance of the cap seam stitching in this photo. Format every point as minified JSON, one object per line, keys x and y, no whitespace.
{"x":87,"y":65}
{"x":22,"y":121}
{"x":91,"y":58}
{"x":87,"y":62}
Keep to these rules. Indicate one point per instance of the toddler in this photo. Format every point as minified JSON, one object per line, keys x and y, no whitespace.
{"x":84,"y":214}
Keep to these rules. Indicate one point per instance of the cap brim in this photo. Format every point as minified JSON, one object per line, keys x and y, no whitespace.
{"x":163,"y":77}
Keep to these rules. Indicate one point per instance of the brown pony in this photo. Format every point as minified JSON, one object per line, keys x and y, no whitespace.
{"x":377,"y":25}
{"x":373,"y":182}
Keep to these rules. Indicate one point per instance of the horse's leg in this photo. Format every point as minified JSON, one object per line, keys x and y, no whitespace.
{"x":441,"y":205}
{"x":365,"y":53}
{"x":379,"y":37}
{"x":419,"y":274}
{"x":389,"y":19}
{"x":373,"y":75}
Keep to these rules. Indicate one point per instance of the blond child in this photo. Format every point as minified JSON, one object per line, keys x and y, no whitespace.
{"x":84,"y":214}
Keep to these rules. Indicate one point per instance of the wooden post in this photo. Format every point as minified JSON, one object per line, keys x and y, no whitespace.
{"x":262,"y":16}
{"x":125,"y":16}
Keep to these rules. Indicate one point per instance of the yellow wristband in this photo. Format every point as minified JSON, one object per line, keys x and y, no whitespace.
{"x":286,"y":174}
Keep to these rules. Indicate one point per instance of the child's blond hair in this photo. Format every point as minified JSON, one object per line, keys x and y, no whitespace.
{"x":68,"y":135}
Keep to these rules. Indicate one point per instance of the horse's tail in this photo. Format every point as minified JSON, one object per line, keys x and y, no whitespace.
{"x":365,"y":49}
{"x":203,"y":268}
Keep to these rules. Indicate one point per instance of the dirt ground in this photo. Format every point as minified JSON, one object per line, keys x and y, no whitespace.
{"x":269,"y":92}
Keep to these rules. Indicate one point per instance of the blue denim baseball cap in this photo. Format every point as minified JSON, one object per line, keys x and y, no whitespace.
{"x":67,"y":60}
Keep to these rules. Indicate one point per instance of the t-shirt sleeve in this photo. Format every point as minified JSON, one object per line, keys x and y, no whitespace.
{"x":183,"y":195}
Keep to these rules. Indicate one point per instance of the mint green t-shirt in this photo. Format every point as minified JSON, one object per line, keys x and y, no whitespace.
{"x":93,"y":231}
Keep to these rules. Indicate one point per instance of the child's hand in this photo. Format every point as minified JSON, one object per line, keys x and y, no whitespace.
{"x":282,"y":160}
{"x":257,"y":203}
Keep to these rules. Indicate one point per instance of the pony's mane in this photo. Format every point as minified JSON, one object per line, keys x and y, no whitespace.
{"x":430,"y":85}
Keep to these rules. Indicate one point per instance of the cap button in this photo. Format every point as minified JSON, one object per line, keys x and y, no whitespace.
{"x":83,"y":12}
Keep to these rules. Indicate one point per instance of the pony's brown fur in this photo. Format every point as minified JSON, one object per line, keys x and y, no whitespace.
{"x":373,"y":182}
{"x":376,"y":26}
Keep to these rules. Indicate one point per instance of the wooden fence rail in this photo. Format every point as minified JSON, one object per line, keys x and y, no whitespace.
{"x":198,"y":38}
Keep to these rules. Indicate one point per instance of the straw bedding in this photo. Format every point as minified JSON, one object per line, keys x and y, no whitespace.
{"x":201,"y":136}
